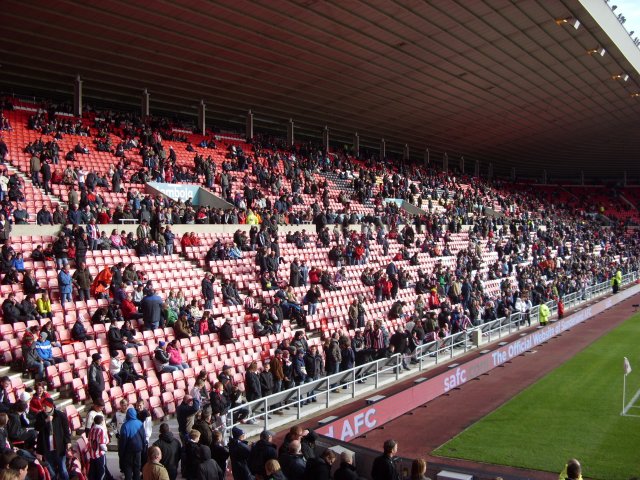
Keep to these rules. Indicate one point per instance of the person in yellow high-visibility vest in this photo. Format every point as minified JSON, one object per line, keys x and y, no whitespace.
{"x":616,"y":281}
{"x":252,"y":218}
{"x":545,"y":313}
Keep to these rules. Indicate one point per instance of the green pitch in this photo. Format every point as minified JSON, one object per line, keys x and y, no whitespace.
{"x":572,"y":412}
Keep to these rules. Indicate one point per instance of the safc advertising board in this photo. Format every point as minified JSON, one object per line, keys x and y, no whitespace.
{"x":372,"y":416}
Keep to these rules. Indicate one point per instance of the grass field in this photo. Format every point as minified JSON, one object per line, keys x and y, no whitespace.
{"x":572,"y":412}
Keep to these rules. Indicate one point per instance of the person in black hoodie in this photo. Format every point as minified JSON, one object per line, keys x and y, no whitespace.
{"x":209,"y":468}
{"x":320,"y":468}
{"x":171,"y":450}
{"x":239,"y":453}
{"x":262,"y":451}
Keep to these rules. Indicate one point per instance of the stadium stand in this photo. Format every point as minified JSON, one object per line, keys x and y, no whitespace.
{"x":301,"y":219}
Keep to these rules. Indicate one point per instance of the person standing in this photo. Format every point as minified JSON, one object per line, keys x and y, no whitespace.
{"x":151,"y":306}
{"x":320,"y":467}
{"x":153,"y":469}
{"x":544,"y":313}
{"x":98,"y":440}
{"x":239,"y":452}
{"x":96,"y":378}
{"x":418,"y":469}
{"x":54,"y":438}
{"x":132,"y":441}
{"x":207,"y":291}
{"x":171,"y":450}
{"x":384,"y":467}
{"x":65,"y":282}
{"x":346,"y":470}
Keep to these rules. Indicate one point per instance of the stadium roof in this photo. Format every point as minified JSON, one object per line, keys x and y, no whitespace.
{"x":497,"y":80}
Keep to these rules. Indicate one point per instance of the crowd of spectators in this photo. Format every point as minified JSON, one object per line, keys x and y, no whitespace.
{"x":544,"y":252}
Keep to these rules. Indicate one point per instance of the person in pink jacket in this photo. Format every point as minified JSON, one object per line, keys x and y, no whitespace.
{"x":175,"y":356}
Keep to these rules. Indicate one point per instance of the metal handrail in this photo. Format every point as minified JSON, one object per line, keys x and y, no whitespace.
{"x":426,"y":356}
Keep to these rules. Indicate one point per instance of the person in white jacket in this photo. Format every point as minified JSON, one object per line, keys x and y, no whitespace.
{"x":523,"y":305}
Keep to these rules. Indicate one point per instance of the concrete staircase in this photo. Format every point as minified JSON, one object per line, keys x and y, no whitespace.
{"x":60,"y":398}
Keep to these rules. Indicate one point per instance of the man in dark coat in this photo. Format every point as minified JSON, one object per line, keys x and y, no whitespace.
{"x":384,"y":467}
{"x":96,"y":378}
{"x":346,"y":470}
{"x":54,"y":437}
{"x":262,"y":451}
{"x":207,"y":292}
{"x":294,"y":274}
{"x":151,"y":306}
{"x":171,"y":450}
{"x":292,"y":461}
{"x":239,"y":452}
{"x":320,"y":468}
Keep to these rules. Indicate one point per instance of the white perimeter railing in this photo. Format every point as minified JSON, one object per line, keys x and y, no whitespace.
{"x":373,"y":375}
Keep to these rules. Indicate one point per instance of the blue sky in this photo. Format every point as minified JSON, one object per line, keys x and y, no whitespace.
{"x":631,"y":10}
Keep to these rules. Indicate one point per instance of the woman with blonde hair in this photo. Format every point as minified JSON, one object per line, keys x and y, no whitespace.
{"x":419,"y":469}
{"x":273,"y":470}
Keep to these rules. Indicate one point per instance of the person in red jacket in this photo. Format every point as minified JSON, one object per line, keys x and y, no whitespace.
{"x":314,"y":276}
{"x":560,"y":308}
{"x":129,"y":310}
{"x":195,"y":241}
{"x":35,"y":405}
{"x":386,"y":289}
{"x":185,"y":241}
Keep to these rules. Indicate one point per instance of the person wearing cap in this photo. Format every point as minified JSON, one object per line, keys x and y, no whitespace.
{"x":239,"y":453}
{"x":262,"y":451}
{"x":54,"y":438}
{"x":95,"y":378}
